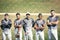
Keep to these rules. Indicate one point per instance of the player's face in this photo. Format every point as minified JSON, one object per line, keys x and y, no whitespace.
{"x":40,"y":17}
{"x":28,"y":16}
{"x":6,"y":17}
{"x":52,"y":13}
{"x":18,"y":16}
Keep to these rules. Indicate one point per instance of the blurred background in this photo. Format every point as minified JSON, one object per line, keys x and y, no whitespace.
{"x":29,"y":5}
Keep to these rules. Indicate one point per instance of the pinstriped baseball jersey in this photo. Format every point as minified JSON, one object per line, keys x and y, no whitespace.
{"x":6,"y":23}
{"x":52,"y":19}
{"x":28,"y":24}
{"x":18,"y":22}
{"x":40,"y":22}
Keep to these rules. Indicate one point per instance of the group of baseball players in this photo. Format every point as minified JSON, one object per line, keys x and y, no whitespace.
{"x":27,"y":24}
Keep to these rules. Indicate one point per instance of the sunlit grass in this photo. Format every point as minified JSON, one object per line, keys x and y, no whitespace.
{"x":29,"y":5}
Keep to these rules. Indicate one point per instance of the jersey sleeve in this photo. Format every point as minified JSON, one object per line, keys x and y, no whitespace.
{"x":2,"y":22}
{"x":43,"y":21}
{"x":2,"y":25}
{"x":21,"y":22}
{"x":57,"y":18}
{"x":32,"y":23}
{"x":10,"y":22}
{"x":14,"y":21}
{"x":36,"y":22}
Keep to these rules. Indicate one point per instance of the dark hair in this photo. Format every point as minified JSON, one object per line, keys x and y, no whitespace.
{"x":17,"y":14}
{"x":39,"y":14}
{"x":6,"y":14}
{"x":52,"y":10}
{"x":27,"y":14}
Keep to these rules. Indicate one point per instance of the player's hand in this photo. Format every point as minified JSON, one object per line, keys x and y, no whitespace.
{"x":41,"y":28}
{"x":19,"y":26}
{"x":37,"y":28}
{"x":50,"y":23}
{"x":54,"y":22}
{"x":26,"y":33}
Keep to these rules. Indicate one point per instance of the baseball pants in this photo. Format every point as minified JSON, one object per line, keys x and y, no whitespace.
{"x":28,"y":35}
{"x":52,"y":32}
{"x":16,"y":30}
{"x":6,"y":32}
{"x":40,"y":34}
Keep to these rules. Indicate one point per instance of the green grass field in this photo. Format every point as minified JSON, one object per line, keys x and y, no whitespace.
{"x":12,"y":17}
{"x":29,"y":5}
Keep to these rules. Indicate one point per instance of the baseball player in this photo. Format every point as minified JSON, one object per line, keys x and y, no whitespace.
{"x":39,"y":27}
{"x":27,"y":26}
{"x":18,"y":27}
{"x":5,"y":26}
{"x":52,"y":22}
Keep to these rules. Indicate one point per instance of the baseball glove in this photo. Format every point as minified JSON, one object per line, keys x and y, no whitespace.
{"x":17,"y":35}
{"x":42,"y":29}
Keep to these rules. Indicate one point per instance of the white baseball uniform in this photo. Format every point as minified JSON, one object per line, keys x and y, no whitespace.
{"x":5,"y":26}
{"x":52,"y":29}
{"x":18,"y":22}
{"x":39,"y":33}
{"x":28,"y":24}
